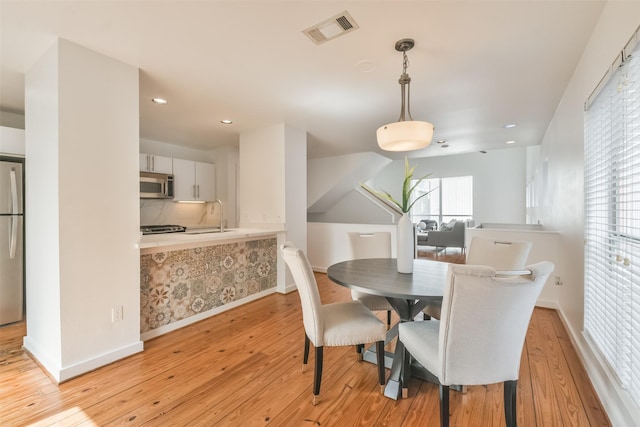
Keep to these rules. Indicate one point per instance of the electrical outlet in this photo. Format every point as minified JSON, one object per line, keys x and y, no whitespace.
{"x":117,"y":314}
{"x":558,"y":281}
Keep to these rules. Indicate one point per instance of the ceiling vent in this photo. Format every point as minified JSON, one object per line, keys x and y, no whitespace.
{"x":331,"y":28}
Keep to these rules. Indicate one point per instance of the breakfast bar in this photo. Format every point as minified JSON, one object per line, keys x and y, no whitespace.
{"x":186,"y":277}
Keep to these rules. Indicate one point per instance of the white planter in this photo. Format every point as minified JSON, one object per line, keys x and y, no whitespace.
{"x":405,"y":245}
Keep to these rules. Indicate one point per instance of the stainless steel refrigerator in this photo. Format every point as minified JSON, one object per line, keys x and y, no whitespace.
{"x":11,"y":241}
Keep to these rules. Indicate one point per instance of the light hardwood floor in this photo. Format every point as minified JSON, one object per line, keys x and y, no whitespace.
{"x":243,"y":368}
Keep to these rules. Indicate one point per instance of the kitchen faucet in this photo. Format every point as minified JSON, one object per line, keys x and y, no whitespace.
{"x":220,"y":203}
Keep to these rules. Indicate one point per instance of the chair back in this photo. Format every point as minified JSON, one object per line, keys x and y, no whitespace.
{"x":499,"y":254}
{"x":370,"y":245}
{"x":307,"y":291}
{"x":485,"y":316}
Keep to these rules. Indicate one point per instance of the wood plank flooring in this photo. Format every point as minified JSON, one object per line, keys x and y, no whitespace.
{"x":243,"y":368}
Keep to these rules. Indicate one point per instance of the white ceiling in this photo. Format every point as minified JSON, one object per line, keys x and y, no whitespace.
{"x":476,"y":66}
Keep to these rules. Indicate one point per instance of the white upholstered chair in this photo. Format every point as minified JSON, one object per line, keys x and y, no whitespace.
{"x":499,"y":254}
{"x":371,"y":245}
{"x":338,"y":324}
{"x":476,"y":343}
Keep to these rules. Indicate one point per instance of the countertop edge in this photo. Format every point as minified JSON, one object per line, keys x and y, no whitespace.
{"x":175,"y":239}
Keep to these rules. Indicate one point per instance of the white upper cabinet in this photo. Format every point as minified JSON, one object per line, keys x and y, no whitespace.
{"x":11,"y":141}
{"x":194,"y":181}
{"x":157,"y":164}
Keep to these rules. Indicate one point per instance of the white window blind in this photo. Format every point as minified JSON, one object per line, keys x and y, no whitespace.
{"x":448,"y":198}
{"x":612,"y":221}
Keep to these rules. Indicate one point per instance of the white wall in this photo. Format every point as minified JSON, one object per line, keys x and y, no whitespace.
{"x":226,"y":160}
{"x":355,"y":208}
{"x":159,"y":148}
{"x":329,"y":179}
{"x":262,"y":178}
{"x":42,"y":208}
{"x":295,"y":178}
{"x":82,"y":226}
{"x":331,"y":245}
{"x":272,"y":187}
{"x":561,"y":205}
{"x":498,"y":181}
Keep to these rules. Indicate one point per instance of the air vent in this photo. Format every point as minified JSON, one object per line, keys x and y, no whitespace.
{"x":331,"y":28}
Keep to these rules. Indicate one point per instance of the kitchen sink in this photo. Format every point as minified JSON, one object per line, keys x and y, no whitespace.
{"x":207,"y":231}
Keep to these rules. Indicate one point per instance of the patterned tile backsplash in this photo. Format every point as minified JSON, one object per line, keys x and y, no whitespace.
{"x":175,"y":285}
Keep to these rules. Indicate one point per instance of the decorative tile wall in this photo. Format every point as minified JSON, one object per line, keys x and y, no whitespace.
{"x":175,"y":285}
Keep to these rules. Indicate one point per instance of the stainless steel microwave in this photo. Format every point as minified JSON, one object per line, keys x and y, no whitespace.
{"x":156,"y":185}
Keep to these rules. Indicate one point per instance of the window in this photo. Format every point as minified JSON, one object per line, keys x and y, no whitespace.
{"x":612,"y":221}
{"x":449,"y":198}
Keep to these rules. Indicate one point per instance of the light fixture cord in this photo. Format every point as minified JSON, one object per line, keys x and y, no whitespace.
{"x":405,"y":80}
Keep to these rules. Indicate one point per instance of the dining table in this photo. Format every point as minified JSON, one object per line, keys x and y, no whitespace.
{"x":408,"y":294}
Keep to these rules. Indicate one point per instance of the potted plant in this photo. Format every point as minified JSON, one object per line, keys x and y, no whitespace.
{"x":405,"y":237}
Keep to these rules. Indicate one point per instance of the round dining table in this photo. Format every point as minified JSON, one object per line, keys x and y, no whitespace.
{"x":408,"y":293}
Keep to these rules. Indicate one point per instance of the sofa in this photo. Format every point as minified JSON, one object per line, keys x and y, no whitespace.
{"x":450,"y":235}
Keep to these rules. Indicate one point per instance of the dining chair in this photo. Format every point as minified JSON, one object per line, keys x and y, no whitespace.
{"x":337,"y":324}
{"x":499,"y":254}
{"x":477,"y":344}
{"x":371,"y":245}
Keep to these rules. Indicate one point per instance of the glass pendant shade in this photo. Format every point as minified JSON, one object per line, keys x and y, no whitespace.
{"x":405,"y":135}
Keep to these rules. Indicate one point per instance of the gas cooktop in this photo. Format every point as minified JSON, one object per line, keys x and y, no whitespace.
{"x":162,"y":229}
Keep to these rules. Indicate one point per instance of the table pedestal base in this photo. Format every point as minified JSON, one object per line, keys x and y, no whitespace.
{"x":407,"y":310}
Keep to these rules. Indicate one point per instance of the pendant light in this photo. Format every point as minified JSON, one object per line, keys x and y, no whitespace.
{"x":405,"y":135}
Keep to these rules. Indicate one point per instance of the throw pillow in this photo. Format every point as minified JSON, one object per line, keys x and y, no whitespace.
{"x":447,"y":226}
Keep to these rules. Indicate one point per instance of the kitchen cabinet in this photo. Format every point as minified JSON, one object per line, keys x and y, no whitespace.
{"x":11,"y":141}
{"x":194,"y":181}
{"x":157,"y":164}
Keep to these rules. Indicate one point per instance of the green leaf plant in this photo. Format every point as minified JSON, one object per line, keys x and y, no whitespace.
{"x":407,"y":189}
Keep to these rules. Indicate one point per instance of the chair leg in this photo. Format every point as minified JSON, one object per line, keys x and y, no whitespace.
{"x":510,"y":389}
{"x":444,"y":406}
{"x":360,"y":351}
{"x":317,"y":375}
{"x":380,"y":360}
{"x":305,"y":357}
{"x":388,"y":319}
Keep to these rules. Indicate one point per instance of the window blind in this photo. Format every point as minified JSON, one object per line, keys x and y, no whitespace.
{"x":612,"y":220}
{"x":448,"y":198}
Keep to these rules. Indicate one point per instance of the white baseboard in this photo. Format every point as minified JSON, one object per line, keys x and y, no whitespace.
{"x":62,"y":374}
{"x":616,"y":401}
{"x":548,"y":304}
{"x":289,"y":288}
{"x":41,"y":358}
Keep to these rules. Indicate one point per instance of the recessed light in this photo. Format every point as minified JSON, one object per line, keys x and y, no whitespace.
{"x":226,"y":121}
{"x":366,"y":66}
{"x":509,"y":125}
{"x":160,"y":101}
{"x":441,"y":141}
{"x":509,"y":142}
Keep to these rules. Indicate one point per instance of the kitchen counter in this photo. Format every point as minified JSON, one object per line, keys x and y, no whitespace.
{"x":188,"y":276}
{"x":198,"y":236}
